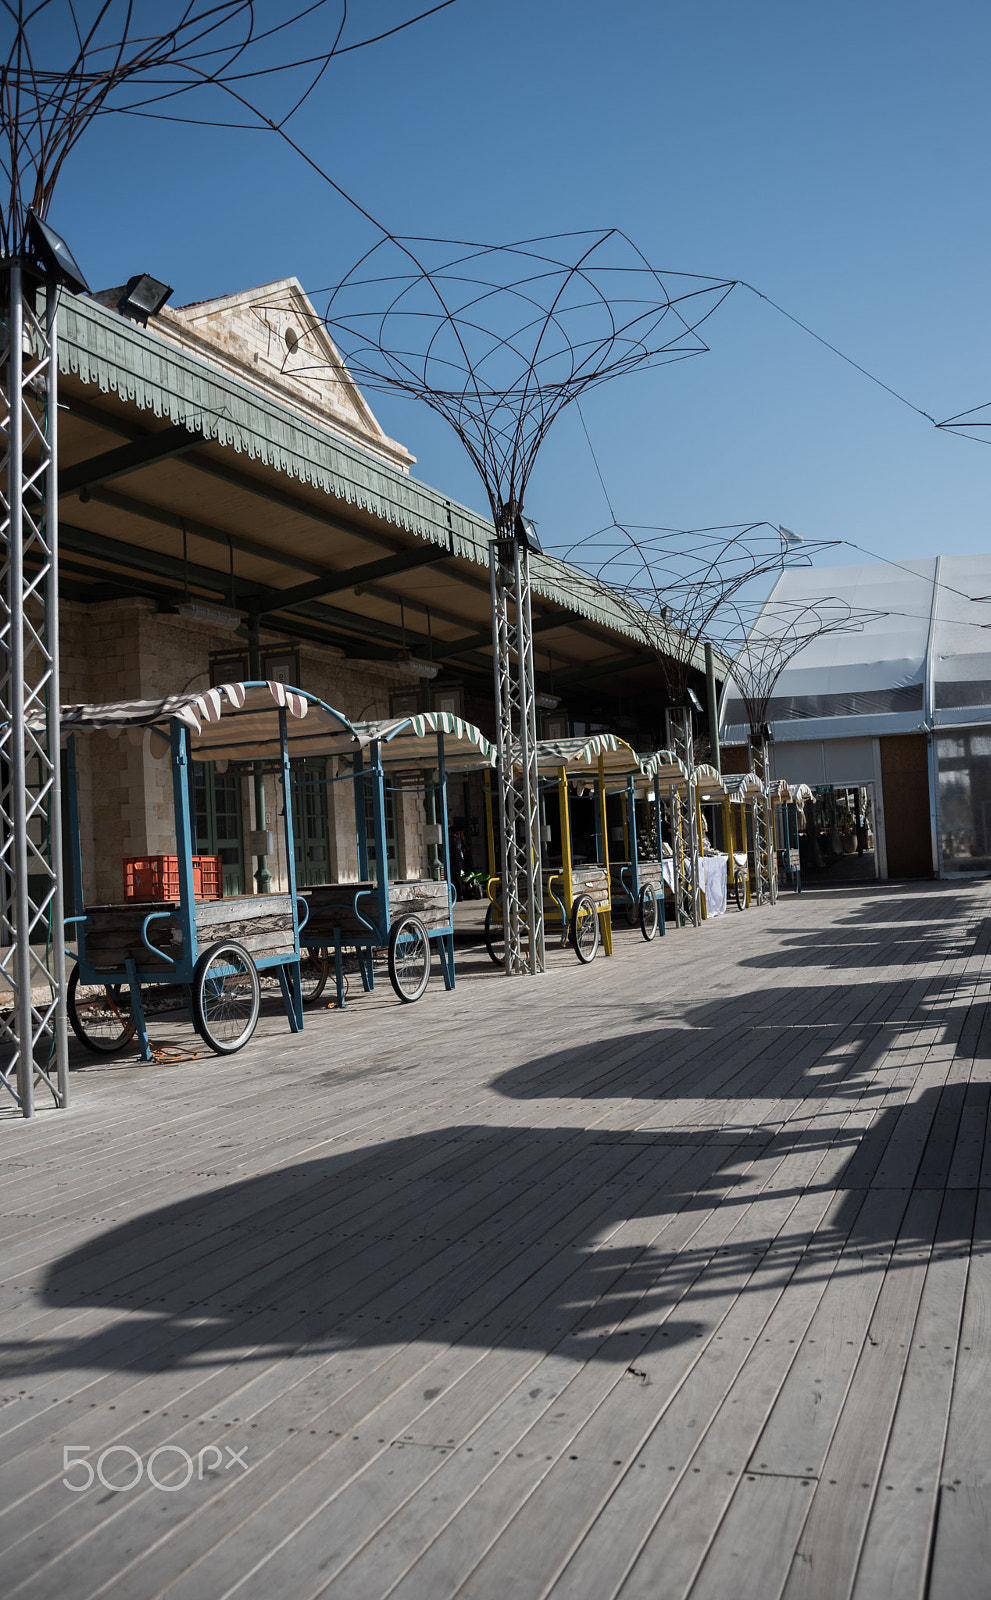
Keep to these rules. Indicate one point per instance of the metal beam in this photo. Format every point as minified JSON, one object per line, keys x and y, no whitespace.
{"x":601,"y":669}
{"x":102,"y":548}
{"x":478,"y":641}
{"x":348,"y":578}
{"x":127,"y":458}
{"x":206,"y":530}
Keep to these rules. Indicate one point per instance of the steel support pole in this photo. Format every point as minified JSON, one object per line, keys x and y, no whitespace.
{"x":691,"y":811}
{"x":33,"y":1038}
{"x":516,"y":740}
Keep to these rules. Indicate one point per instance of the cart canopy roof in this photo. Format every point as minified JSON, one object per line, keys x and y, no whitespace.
{"x":708,"y":784}
{"x":581,"y":756}
{"x":743,"y":786}
{"x":412,"y":741}
{"x":232,"y":722}
{"x":664,"y":765}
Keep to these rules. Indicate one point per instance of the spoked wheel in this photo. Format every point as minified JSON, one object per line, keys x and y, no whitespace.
{"x":314,"y":970}
{"x":226,"y":997}
{"x":409,"y":958}
{"x":740,"y":889}
{"x":100,"y":1014}
{"x":647,"y":913}
{"x":495,"y":934}
{"x":584,"y":932}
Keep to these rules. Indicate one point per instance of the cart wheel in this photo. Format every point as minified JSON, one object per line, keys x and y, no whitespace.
{"x":495,"y":934}
{"x":314,"y":969}
{"x":409,"y":958}
{"x":226,"y":997}
{"x":584,"y":929}
{"x":100,"y":1014}
{"x":647,"y":911}
{"x":740,"y":889}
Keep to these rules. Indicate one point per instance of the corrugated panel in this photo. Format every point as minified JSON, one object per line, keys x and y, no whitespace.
{"x":117,"y":356}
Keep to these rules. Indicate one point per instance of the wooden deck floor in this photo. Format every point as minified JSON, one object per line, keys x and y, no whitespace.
{"x":665,"y":1277}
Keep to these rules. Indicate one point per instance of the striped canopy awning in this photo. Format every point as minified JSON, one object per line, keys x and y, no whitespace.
{"x":580,"y":757}
{"x":412,"y":741}
{"x":743,"y":786}
{"x":231,"y":722}
{"x":664,"y":765}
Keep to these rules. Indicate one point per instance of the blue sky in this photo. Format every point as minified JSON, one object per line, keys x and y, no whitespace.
{"x":836,"y":158}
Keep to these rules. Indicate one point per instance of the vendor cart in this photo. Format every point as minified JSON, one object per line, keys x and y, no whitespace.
{"x":209,"y":951}
{"x":748,"y":818}
{"x":788,"y":798}
{"x":403,"y":755}
{"x":638,"y":880}
{"x":577,"y":894}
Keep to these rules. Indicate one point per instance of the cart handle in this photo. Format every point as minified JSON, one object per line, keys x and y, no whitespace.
{"x":65,"y":923}
{"x":155,"y":916}
{"x":369,"y":925}
{"x":302,"y":901}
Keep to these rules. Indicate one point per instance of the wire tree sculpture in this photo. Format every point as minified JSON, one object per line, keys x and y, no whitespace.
{"x":499,"y":339}
{"x":760,"y":640}
{"x":678,"y":586}
{"x":70,"y":61}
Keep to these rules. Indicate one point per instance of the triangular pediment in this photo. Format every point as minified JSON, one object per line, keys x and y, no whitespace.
{"x":273,"y":338}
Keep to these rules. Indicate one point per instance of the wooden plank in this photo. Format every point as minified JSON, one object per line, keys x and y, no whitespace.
{"x":753,"y":1546}
{"x":961,"y":1557}
{"x":900,"y":1529}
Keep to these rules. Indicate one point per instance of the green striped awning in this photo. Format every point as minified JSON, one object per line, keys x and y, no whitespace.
{"x":412,"y":741}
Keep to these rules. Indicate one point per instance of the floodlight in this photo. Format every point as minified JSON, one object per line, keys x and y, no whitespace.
{"x":526,"y":535}
{"x":143,"y":297}
{"x":692,"y":700}
{"x":547,"y":702}
{"x":53,"y":255}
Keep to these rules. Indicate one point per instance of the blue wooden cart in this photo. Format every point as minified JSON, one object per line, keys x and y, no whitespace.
{"x":403,"y":755}
{"x":208,"y":951}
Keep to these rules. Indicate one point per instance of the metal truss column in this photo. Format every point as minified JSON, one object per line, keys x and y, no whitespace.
{"x":516,"y":739}
{"x":691,"y":812}
{"x":33,"y":1040}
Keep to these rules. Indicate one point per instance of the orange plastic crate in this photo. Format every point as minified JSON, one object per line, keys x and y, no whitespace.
{"x":157,"y":878}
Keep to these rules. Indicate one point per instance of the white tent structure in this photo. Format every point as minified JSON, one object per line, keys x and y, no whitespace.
{"x":903,"y":706}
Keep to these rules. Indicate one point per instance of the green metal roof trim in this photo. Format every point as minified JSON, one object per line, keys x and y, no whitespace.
{"x":116,"y":356}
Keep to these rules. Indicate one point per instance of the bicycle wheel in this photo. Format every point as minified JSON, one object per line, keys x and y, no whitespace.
{"x":226,"y":997}
{"x":495,"y":934}
{"x":314,"y":969}
{"x":740,"y":889}
{"x":100,"y":1014}
{"x":647,"y":911}
{"x":584,"y":929}
{"x":409,"y":958}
